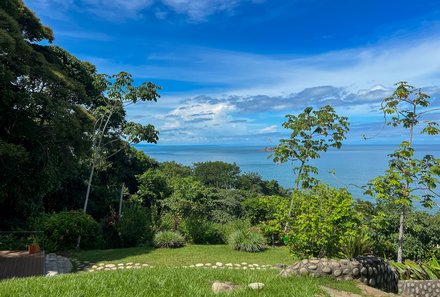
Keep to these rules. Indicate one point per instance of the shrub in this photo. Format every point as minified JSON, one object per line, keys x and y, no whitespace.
{"x":322,"y":217}
{"x":134,"y":226}
{"x":247,"y":240}
{"x":109,"y":231}
{"x":356,"y":245}
{"x":201,"y":231}
{"x":227,"y":229}
{"x":169,"y":239}
{"x":14,"y":241}
{"x":61,"y":231}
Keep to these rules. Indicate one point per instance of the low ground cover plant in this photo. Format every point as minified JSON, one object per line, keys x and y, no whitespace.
{"x":168,"y":239}
{"x":247,"y":240}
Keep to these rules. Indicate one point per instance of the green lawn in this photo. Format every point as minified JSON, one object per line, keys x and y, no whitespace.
{"x":167,"y":282}
{"x":187,"y":255}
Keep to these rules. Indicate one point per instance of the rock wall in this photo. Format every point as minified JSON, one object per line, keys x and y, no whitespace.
{"x":370,"y":270}
{"x":419,"y":288}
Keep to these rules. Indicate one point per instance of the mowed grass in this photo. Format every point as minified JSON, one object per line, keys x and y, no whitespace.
{"x":188,"y":255}
{"x":167,"y":281}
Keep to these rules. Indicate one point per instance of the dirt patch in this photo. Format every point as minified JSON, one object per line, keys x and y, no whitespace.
{"x":367,"y":291}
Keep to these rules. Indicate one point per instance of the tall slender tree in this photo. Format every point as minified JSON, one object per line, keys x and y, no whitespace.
{"x":313,"y":132}
{"x":407,"y":177}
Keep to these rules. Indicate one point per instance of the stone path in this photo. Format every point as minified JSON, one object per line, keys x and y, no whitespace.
{"x":56,"y":264}
{"x":85,"y":266}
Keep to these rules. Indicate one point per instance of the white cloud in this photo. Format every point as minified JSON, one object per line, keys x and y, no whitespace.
{"x":198,"y":10}
{"x":195,"y":10}
{"x":270,"y":129}
{"x":245,"y":74}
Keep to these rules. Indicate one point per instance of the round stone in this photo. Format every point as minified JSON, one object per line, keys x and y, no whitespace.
{"x":219,"y":264}
{"x":355,"y":271}
{"x":337,"y":272}
{"x":326,"y":269}
{"x":372,"y":282}
{"x":364,"y":271}
{"x":110,"y":265}
{"x":303,"y":271}
{"x":256,"y":286}
{"x":199,"y":265}
{"x":346,"y":271}
{"x":312,"y":267}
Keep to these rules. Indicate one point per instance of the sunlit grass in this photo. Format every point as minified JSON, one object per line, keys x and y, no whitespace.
{"x":187,"y":255}
{"x":166,"y":282}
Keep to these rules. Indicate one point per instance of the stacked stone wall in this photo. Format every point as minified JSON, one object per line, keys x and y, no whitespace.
{"x":419,"y":288}
{"x":373,"y":271}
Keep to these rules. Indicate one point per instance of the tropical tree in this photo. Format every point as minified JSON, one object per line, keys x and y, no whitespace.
{"x":407,"y":177}
{"x":110,"y":127}
{"x":45,"y":93}
{"x":217,"y":174}
{"x":313,"y":132}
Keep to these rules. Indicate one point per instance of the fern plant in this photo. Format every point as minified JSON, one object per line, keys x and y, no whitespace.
{"x":410,"y":270}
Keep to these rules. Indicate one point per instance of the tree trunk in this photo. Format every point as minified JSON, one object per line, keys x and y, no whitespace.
{"x":120,"y":200}
{"x":89,"y":185}
{"x":401,"y":229}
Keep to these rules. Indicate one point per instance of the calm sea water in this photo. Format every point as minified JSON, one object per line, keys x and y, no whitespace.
{"x":354,"y":165}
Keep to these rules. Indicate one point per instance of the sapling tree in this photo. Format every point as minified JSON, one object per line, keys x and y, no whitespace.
{"x":313,"y":132}
{"x":407,"y":177}
{"x":110,"y":126}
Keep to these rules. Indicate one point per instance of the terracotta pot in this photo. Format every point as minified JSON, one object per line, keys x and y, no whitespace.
{"x":33,"y":248}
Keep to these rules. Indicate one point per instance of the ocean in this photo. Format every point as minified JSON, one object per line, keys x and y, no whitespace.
{"x":354,"y":165}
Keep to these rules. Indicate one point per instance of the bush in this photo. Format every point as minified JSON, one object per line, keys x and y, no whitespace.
{"x":14,"y":241}
{"x":169,"y":239}
{"x":61,"y":231}
{"x":134,"y":226}
{"x":201,"y":231}
{"x":247,"y":240}
{"x":227,"y":229}
{"x":323,"y":218}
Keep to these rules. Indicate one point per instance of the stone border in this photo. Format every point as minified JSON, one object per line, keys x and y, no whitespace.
{"x":86,"y":266}
{"x":419,"y":288}
{"x":372,"y":271}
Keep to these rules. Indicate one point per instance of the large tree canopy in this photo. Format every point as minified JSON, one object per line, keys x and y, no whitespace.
{"x":50,"y":103}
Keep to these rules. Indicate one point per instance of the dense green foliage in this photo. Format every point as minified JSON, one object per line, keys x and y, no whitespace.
{"x":53,"y":108}
{"x":61,"y":230}
{"x":168,"y":239}
{"x":322,"y":218}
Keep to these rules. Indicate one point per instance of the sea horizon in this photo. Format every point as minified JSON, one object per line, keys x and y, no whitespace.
{"x":351,"y":166}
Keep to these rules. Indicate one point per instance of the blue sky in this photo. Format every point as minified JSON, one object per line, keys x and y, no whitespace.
{"x":230,"y":70}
